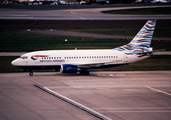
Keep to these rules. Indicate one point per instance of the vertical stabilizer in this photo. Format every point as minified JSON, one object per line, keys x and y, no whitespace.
{"x":142,"y":41}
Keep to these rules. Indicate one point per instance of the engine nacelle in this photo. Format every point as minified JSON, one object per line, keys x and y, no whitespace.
{"x":68,"y":68}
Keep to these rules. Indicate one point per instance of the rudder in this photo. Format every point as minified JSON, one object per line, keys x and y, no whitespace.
{"x":142,"y":41}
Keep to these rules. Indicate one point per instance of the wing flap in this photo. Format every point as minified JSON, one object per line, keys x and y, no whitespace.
{"x":92,"y":65}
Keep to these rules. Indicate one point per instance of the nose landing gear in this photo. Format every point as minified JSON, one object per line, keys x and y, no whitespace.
{"x":28,"y":70}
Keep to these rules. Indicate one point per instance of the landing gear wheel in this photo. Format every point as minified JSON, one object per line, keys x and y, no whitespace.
{"x":81,"y":72}
{"x":31,"y":73}
{"x":84,"y":72}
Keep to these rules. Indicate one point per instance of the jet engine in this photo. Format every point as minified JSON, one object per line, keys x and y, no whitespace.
{"x":68,"y":68}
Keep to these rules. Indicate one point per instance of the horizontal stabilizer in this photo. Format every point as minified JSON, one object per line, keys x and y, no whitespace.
{"x":151,"y":52}
{"x":160,"y":50}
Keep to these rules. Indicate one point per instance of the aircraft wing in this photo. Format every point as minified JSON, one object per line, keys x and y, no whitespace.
{"x":94,"y":65}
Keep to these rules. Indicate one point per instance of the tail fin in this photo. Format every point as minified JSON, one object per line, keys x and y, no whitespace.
{"x":141,"y":42}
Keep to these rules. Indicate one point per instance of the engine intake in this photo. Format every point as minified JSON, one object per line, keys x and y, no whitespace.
{"x":68,"y":68}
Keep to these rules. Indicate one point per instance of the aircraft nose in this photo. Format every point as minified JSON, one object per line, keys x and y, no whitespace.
{"x":14,"y":62}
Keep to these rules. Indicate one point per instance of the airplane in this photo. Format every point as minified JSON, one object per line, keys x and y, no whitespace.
{"x":73,"y":61}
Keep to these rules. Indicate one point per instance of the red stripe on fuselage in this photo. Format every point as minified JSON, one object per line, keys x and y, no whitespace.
{"x":40,"y":56}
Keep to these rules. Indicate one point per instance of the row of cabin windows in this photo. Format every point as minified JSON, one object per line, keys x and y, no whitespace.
{"x":83,"y":57}
{"x":51,"y":57}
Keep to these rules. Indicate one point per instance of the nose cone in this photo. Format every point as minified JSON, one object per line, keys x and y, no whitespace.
{"x":14,"y":62}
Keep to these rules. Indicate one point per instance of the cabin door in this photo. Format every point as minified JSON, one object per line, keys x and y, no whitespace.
{"x":125,"y":58}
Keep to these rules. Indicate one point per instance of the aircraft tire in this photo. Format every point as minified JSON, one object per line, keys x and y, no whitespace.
{"x":86,"y":73}
{"x":83,"y":72}
{"x":31,"y":73}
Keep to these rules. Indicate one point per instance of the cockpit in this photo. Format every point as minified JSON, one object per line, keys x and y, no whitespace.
{"x":23,"y":57}
{"x":22,"y":60}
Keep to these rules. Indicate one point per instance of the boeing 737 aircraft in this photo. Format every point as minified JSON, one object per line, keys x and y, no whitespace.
{"x":73,"y":61}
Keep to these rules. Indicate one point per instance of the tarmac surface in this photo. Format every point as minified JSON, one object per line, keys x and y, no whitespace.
{"x":26,"y":12}
{"x":133,"y":95}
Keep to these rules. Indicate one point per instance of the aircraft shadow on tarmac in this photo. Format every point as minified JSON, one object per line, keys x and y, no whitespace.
{"x":74,"y":74}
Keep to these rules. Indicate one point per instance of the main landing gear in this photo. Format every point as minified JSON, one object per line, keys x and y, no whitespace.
{"x":31,"y":73}
{"x":84,"y":72}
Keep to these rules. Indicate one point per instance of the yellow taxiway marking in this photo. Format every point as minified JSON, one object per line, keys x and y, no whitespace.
{"x":157,"y":90}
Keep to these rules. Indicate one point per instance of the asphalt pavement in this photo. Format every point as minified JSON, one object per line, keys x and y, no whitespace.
{"x":75,"y":13}
{"x":133,"y":95}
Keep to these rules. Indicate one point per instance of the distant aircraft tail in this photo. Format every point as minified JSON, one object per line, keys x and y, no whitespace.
{"x":140,"y":44}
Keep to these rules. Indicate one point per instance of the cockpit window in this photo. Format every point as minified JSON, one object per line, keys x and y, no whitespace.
{"x":23,"y":57}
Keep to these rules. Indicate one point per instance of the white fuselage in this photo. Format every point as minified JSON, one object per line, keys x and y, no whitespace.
{"x":81,"y":58}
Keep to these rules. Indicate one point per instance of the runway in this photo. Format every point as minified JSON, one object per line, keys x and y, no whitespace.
{"x":75,"y":13}
{"x":142,"y":95}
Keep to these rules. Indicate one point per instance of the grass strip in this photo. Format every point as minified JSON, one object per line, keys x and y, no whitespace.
{"x":159,"y":32}
{"x":5,"y":65}
{"x":27,"y":42}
